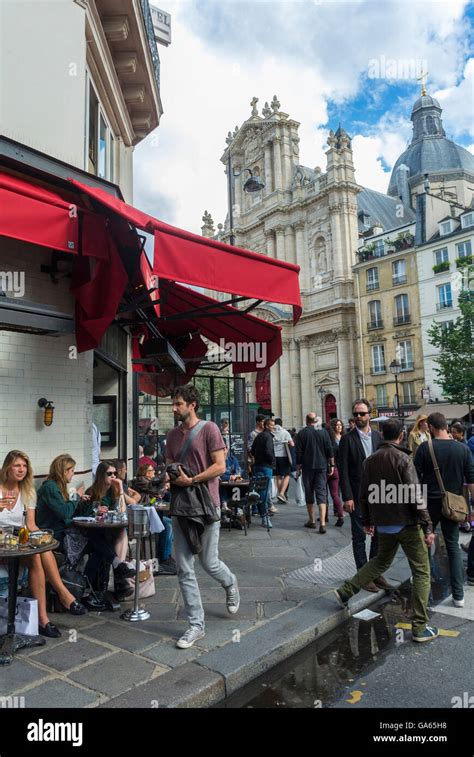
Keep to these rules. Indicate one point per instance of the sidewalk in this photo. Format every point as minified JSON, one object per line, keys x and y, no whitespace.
{"x":286,"y":602}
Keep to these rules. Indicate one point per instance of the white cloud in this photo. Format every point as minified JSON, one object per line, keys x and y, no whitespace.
{"x":307,"y":54}
{"x":457,"y":103}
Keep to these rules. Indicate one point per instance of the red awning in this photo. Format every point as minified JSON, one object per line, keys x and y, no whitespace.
{"x":37,"y":215}
{"x":191,"y":259}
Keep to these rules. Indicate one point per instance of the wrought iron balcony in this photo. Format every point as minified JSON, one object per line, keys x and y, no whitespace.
{"x":372,"y":325}
{"x":444,"y":305}
{"x":147,"y":19}
{"x":400,"y":319}
{"x":396,"y":280}
{"x":372,"y":285}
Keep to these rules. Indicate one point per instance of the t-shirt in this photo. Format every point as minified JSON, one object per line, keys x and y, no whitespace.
{"x":455,"y":466}
{"x":281,"y":437}
{"x":198,"y":458}
{"x":14,"y":517}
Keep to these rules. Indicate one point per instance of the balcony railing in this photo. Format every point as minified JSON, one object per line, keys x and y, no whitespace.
{"x":371,"y":325}
{"x":444,"y":305}
{"x":407,"y":367}
{"x":400,"y":319}
{"x":372,"y":285}
{"x":396,"y":280}
{"x":377,"y":371}
{"x":148,"y":21}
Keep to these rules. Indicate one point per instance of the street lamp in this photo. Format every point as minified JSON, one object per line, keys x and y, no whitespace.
{"x":253,"y":184}
{"x":322,"y":393}
{"x":395,"y":368}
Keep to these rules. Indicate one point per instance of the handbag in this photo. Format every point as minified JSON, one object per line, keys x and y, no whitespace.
{"x":74,"y":581}
{"x":146,"y":585}
{"x":26,"y":617}
{"x":454,"y":506}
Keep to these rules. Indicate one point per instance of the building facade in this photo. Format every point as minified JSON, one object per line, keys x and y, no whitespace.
{"x":80,"y":88}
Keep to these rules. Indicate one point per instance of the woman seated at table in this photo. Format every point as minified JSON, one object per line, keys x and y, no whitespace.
{"x":232,"y":467}
{"x":19,"y":501}
{"x":56,"y":511}
{"x":151,"y":485}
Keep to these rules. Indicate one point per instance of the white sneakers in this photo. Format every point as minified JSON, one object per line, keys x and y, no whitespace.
{"x":458,"y":602}
{"x":187,"y":639}
{"x":232,"y":597}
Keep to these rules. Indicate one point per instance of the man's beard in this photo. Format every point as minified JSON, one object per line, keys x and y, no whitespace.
{"x":361,"y":423}
{"x":182,"y":416}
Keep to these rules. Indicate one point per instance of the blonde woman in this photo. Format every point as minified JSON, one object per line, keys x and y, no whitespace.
{"x":19,"y":498}
{"x":56,"y":511}
{"x":419,"y":433}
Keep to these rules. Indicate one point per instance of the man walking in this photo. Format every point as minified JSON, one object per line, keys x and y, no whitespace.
{"x":455,"y":466}
{"x":200,"y":446}
{"x":282,"y":442}
{"x":354,"y":447}
{"x":314,"y":455}
{"x":264,"y":457}
{"x":391,"y":501}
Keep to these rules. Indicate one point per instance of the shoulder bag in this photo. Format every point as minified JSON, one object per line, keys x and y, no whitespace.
{"x":454,"y":506}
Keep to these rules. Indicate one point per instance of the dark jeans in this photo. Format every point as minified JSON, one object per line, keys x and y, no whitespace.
{"x":264,"y":470}
{"x":164,"y":540}
{"x":470,"y":559}
{"x":101,"y":550}
{"x":358,"y":540}
{"x":450,"y":531}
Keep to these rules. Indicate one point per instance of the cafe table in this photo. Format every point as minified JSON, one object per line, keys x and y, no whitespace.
{"x":101,"y":598}
{"x":11,"y":641}
{"x":231,"y":488}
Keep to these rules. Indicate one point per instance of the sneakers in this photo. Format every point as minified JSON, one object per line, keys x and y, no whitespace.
{"x":339,"y":522}
{"x":430,"y":632}
{"x":341,"y":598}
{"x":282,"y":498}
{"x":266,"y":522}
{"x":123,"y":571}
{"x":272,"y":510}
{"x":232,"y":597}
{"x":458,"y":602}
{"x":187,"y":639}
{"x":167,"y":567}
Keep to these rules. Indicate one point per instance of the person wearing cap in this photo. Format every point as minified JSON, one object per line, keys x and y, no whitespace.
{"x":419,"y":433}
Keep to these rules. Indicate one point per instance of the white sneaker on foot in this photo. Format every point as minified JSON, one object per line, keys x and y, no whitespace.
{"x":458,"y":602}
{"x":232,"y":597}
{"x":187,"y":639}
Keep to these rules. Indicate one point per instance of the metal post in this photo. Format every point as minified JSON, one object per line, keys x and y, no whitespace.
{"x":137,"y":613}
{"x":398,"y":396}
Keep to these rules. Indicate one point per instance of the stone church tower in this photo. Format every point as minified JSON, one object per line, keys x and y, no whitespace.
{"x":309,"y":217}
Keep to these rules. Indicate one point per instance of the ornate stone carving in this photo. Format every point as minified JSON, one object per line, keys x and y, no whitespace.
{"x":266,"y":111}
{"x":208,"y":229}
{"x":228,"y":139}
{"x":253,"y":103}
{"x":331,"y":139}
{"x":275,"y":104}
{"x":326,"y":337}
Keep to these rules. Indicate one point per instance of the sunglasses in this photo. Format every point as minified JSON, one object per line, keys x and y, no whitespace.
{"x":357,"y":415}
{"x":111,"y":473}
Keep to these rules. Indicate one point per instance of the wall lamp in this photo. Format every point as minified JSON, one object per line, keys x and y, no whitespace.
{"x":48,"y":411}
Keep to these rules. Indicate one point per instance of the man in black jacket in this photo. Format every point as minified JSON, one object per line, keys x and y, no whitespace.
{"x":264,"y":462}
{"x":314,"y":456}
{"x":354,"y":447}
{"x":391,"y":500}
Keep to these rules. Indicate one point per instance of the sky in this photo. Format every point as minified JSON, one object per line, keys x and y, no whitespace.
{"x":328,"y":62}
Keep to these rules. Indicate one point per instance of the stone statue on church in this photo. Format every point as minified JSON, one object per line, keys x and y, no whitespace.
{"x":208,"y":229}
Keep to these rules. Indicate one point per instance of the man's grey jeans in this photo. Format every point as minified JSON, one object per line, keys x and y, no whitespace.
{"x":209,"y":558}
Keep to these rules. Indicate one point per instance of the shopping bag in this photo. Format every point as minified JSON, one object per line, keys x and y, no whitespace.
{"x":145,"y":577}
{"x":300,"y":495}
{"x":26,"y":618}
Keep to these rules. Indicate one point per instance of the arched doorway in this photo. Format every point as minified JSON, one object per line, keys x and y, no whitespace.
{"x":330,"y":407}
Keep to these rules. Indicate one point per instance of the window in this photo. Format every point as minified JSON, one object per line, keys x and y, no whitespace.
{"x":381,"y":398}
{"x":409,"y":393}
{"x":399,"y":272}
{"x":99,"y":139}
{"x":464,"y":249}
{"x":441,"y":256}
{"x":405,"y":355}
{"x":378,"y":248}
{"x":375,"y":314}
{"x":378,"y":358}
{"x":445,"y":227}
{"x":467,"y":220}
{"x":446,"y":325}
{"x":402,"y":310}
{"x":372,"y":279}
{"x":444,"y":297}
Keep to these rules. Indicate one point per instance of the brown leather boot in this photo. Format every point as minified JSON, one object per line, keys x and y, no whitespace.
{"x":370,"y":587}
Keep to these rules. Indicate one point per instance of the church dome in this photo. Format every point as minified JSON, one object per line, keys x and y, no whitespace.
{"x":430,"y":151}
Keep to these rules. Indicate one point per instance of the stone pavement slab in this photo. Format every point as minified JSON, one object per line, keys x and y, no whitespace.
{"x":57,"y":693}
{"x":123,"y":635}
{"x":18,"y":674}
{"x":71,"y":655}
{"x":116,"y":674}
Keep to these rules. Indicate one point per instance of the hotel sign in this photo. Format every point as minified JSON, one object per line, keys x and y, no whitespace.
{"x":161,"y":25}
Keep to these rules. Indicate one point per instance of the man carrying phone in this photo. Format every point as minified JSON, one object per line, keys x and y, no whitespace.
{"x":202,"y":449}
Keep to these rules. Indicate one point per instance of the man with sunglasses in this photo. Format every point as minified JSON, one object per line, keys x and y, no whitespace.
{"x":354,"y":448}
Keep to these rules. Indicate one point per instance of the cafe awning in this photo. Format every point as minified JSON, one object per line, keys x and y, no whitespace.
{"x":201,"y":262}
{"x":450,"y":411}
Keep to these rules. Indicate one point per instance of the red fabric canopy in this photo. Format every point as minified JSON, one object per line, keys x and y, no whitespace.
{"x":191,"y":259}
{"x":37,"y":215}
